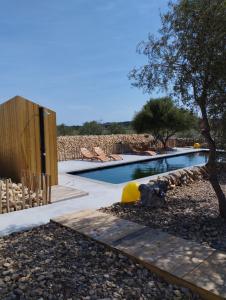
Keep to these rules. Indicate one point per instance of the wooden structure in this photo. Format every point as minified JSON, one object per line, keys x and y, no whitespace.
{"x":27,"y":140}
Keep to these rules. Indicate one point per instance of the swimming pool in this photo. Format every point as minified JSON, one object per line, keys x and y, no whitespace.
{"x":132,"y":171}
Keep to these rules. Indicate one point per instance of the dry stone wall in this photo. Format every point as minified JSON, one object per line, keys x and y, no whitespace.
{"x":68,"y":147}
{"x":182,"y":177}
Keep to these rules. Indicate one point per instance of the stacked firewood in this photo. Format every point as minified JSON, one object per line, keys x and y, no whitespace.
{"x":17,"y":196}
{"x":69,"y":146}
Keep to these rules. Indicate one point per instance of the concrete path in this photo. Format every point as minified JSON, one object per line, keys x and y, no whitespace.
{"x":100,"y":194}
{"x":179,"y":261}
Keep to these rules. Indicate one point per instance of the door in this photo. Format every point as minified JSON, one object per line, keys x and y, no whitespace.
{"x":42,"y":139}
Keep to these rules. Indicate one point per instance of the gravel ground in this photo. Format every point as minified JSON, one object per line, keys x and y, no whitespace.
{"x":52,"y":262}
{"x":191,"y":213}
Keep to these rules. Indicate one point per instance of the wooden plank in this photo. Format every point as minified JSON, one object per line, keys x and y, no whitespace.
{"x":50,"y":190}
{"x":7,"y":196}
{"x":108,"y":230}
{"x":61,"y":193}
{"x":23,"y":194}
{"x":1,"y":198}
{"x":66,"y":219}
{"x":178,"y":258}
{"x":37,"y":186}
{"x":211,"y":274}
{"x":51,"y":145}
{"x":178,"y":261}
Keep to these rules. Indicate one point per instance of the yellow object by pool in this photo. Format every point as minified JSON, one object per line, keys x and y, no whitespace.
{"x":130,"y":193}
{"x":196,"y":145}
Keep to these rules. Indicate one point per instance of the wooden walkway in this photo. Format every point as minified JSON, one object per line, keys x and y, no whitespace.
{"x":61,"y":193}
{"x":178,"y":261}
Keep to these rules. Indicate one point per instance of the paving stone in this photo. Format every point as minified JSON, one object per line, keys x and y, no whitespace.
{"x":98,"y":225}
{"x":67,"y":219}
{"x":210,"y":274}
{"x":144,"y":238}
{"x":167,"y":252}
{"x":110,"y":230}
{"x":89,"y":221}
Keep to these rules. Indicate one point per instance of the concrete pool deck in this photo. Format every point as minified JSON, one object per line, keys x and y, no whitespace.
{"x":100,"y":194}
{"x":84,"y":165}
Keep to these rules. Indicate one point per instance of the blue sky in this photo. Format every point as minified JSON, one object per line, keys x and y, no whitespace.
{"x":74,"y":56}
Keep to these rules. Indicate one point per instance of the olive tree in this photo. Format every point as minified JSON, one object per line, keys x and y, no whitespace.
{"x":218,"y":123}
{"x":188,"y":58}
{"x":163,"y":119}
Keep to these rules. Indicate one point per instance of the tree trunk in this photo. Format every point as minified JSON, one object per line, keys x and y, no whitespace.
{"x":164,"y":144}
{"x":164,"y":141}
{"x":211,"y":164}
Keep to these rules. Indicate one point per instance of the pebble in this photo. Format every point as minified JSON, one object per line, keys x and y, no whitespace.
{"x":18,"y":292}
{"x":187,"y":214}
{"x":6,"y":265}
{"x":7,"y":279}
{"x":75,"y":268}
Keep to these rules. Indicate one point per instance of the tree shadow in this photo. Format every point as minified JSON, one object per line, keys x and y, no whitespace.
{"x":182,"y":217}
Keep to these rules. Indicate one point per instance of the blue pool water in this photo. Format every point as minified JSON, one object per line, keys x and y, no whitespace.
{"x":132,"y":171}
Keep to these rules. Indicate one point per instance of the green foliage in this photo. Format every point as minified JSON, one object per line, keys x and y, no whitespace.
{"x":116,"y":128}
{"x":218,"y":126}
{"x":217,"y":113}
{"x":94,"y":127}
{"x":188,"y":59}
{"x":222,"y":136}
{"x":63,"y":129}
{"x":163,"y":119}
{"x":91,"y":128}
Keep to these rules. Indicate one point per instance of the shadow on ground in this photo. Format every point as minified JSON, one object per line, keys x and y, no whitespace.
{"x":191,"y":213}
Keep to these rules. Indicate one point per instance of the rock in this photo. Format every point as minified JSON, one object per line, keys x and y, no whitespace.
{"x":38,"y":291}
{"x":7,"y":272}
{"x":151,"y":284}
{"x":40,"y":278}
{"x":7,"y":265}
{"x":7,"y":279}
{"x":152,"y":195}
{"x":2,"y":284}
{"x":78,"y":268}
{"x":18,"y":292}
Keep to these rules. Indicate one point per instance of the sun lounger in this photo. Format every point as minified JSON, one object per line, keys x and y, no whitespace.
{"x":149,"y":152}
{"x":143,"y":152}
{"x":101,"y":152}
{"x":86,"y":154}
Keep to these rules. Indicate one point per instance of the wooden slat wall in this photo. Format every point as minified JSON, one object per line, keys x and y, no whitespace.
{"x":29,"y":135}
{"x":20,"y":139}
{"x":51,"y":145}
{"x":9,"y":140}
